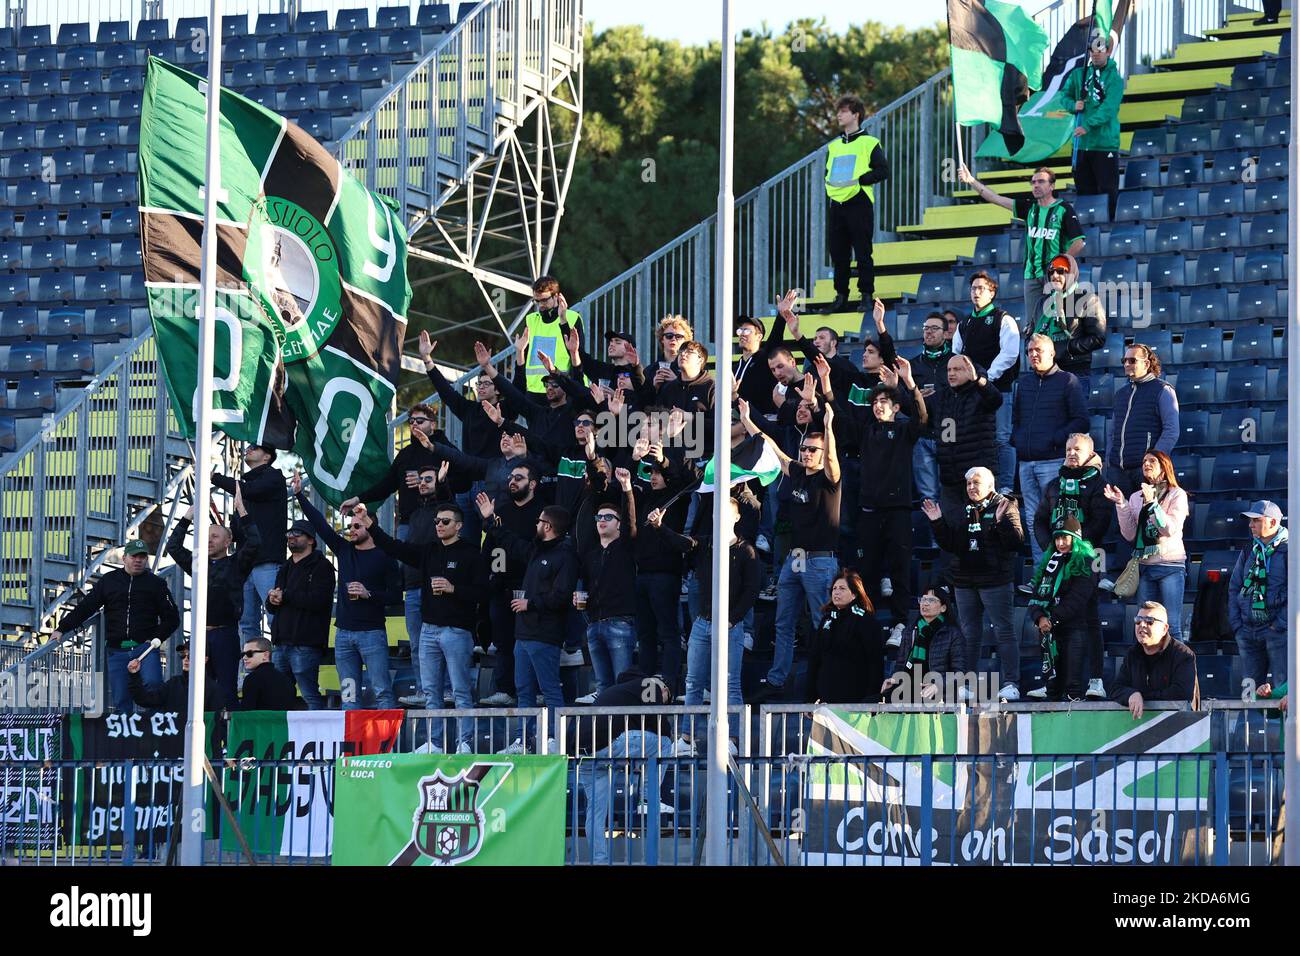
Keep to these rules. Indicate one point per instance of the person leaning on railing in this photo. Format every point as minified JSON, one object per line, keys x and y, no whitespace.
{"x":1157,"y":667}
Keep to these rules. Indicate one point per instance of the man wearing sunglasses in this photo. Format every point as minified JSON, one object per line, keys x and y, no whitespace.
{"x":261,"y":488}
{"x":1073,"y":318}
{"x":1145,"y":417}
{"x":265,"y":688}
{"x":545,"y":328}
{"x":453,"y":579}
{"x":930,"y":372}
{"x":300,"y":605}
{"x":403,"y":475}
{"x":549,"y":414}
{"x":608,"y":596}
{"x":174,"y":694}
{"x":1157,"y":667}
{"x":366,"y":576}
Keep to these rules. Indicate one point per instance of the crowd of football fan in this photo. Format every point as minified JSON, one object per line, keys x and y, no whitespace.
{"x":569,"y":516}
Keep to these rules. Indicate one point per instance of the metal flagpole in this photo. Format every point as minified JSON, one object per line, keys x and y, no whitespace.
{"x":192,"y":822}
{"x":1291,"y":758}
{"x":717,"y":828}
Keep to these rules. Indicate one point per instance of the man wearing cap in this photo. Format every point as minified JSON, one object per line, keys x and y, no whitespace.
{"x":174,"y":694}
{"x":138,"y":608}
{"x":1257,"y":596}
{"x":1097,"y":89}
{"x":300,"y":605}
{"x":622,"y":371}
{"x":226,"y":576}
{"x":1048,"y":408}
{"x":1073,"y":318}
{"x":1158,"y":667}
{"x":262,"y":489}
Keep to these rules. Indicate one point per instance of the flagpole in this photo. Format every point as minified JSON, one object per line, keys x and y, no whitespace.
{"x":1291,"y":757}
{"x":192,"y":819}
{"x":716,"y":824}
{"x":1087,"y":49}
{"x":956,"y":124}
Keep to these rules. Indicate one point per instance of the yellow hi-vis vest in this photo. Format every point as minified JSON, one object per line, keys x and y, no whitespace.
{"x":545,"y":337}
{"x":845,"y":163}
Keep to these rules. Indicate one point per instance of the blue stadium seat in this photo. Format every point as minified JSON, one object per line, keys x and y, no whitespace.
{"x":26,"y":360}
{"x":118,"y":189}
{"x":263,"y":96}
{"x":343,"y":97}
{"x":110,"y":162}
{"x":102,"y":133}
{"x":64,"y":323}
{"x":989,"y":249}
{"x":98,"y":286}
{"x":1142,"y":174}
{"x":1267,"y":230}
{"x":312,"y":21}
{"x":74,"y":357}
{"x":317,"y":123}
{"x":23,"y":165}
{"x":1277,"y":131}
{"x":59,"y":286}
{"x":120,"y":55}
{"x":392,"y":18}
{"x":246,"y":74}
{"x":123,"y":222}
{"x":320,"y":44}
{"x":8,"y":38}
{"x":403,"y":41}
{"x":1101,"y":391}
{"x":362,"y":42}
{"x":331,"y":69}
{"x":93,"y":253}
{"x":272,"y":24}
{"x":126,"y":255}
{"x":935,"y":287}
{"x":1235,"y":471}
{"x":1247,"y":383}
{"x":433,"y":15}
{"x":1184,"y":171}
{"x":1199,"y":347}
{"x":1197,"y":386}
{"x":35,"y":395}
{"x":1118,"y":271}
{"x":111,"y":322}
{"x":50,"y":109}
{"x":1231,"y":425}
{"x":44,"y":83}
{"x":38,"y":223}
{"x":1276,"y":473}
{"x":10,"y":85}
{"x":1213,"y":676}
{"x":35,"y":35}
{"x":354,"y":18}
{"x":69,"y":161}
{"x":1200,"y":109}
{"x":1215,"y":268}
{"x":11,"y":254}
{"x":41,"y":58}
{"x":1279,"y":102}
{"x":8,"y":433}
{"x":1092,"y":209}
{"x":373,"y":69}
{"x":1241,"y":105}
{"x":57,"y":135}
{"x":1136,"y":205}
{"x":1229,"y":198}
{"x":1258,"y":302}
{"x":240,"y":48}
{"x":1180,"y":202}
{"x":1189,"y":138}
{"x":1125,"y":240}
{"x":289,"y":72}
{"x":1264,"y":266}
{"x":1207,"y":306}
{"x":1222,"y":521}
{"x":20,"y":323}
{"x":29,"y":193}
{"x":234,"y":25}
{"x":1221,"y":233}
{"x":82,"y":82}
{"x":1187,"y":468}
{"x":301,"y":97}
{"x":1167,"y":271}
{"x":1269,"y":196}
{"x":82,"y":222}
{"x":127,"y":106}
{"x":14,"y":289}
{"x":86,"y":109}
{"x":1097,"y":429}
{"x":47,"y":254}
{"x":1251,"y":343}
{"x":133,"y":289}
{"x":284,"y":46}
{"x":1172,"y":236}
{"x":79,"y":58}
{"x":464,"y":10}
{"x":152,"y":32}
{"x":1193,"y":427}
{"x":73,"y":191}
{"x":186,"y":53}
{"x":8,"y":226}
{"x":1250,"y":76}
{"x":109,"y":31}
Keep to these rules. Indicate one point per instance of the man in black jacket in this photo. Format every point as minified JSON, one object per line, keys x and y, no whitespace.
{"x":658,"y":565}
{"x":262,"y":489}
{"x":990,"y":336}
{"x":265,"y":687}
{"x":174,"y":695}
{"x":403,"y":475}
{"x":549,"y":415}
{"x":138,"y":608}
{"x":1073,"y":318}
{"x":608,"y":595}
{"x":1158,"y":667}
{"x":226,"y":576}
{"x":930,"y":370}
{"x":300,"y":605}
{"x":985,"y":538}
{"x":964,"y":416}
{"x":453,"y":579}
{"x":541,"y":603}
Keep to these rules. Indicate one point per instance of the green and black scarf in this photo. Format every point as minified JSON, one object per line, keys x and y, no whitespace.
{"x":925,"y":631}
{"x":934,"y":355}
{"x":1254,"y":587}
{"x":1150,"y":520}
{"x":1070,"y":490}
{"x":1053,"y":571}
{"x":976,"y":511}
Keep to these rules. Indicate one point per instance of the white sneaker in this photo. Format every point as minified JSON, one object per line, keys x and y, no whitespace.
{"x":1038,"y":693}
{"x":895,"y":636}
{"x":515,"y":748}
{"x":478,"y":649}
{"x":665,"y":809}
{"x":464,"y":748}
{"x":762,"y":544}
{"x":429,"y":748}
{"x":413,"y":700}
{"x":585,"y":699}
{"x":1096,"y":690}
{"x":886,"y":587}
{"x":683,"y":748}
{"x":551,"y":746}
{"x":571,"y":659}
{"x":1009,"y":692}
{"x":498,"y":699}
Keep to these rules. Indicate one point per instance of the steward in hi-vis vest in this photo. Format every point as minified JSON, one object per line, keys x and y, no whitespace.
{"x":854,"y":164}
{"x":547,"y":325}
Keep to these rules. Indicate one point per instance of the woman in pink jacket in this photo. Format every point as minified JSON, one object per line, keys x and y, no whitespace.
{"x":1153,"y":520}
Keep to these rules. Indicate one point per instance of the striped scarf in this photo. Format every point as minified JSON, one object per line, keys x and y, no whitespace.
{"x":1254,"y":586}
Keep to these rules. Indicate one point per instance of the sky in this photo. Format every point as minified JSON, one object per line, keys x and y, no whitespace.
{"x":682,"y":20}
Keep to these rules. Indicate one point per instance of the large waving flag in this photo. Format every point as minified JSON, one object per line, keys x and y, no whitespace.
{"x":311,"y":275}
{"x":1048,"y":118}
{"x":997,"y":58}
{"x":752,"y":458}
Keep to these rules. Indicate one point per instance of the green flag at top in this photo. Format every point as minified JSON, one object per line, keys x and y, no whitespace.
{"x":311,"y":282}
{"x":997,"y":58}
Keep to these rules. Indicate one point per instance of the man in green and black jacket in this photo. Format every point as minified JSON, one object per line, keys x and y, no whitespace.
{"x":1097,"y":88}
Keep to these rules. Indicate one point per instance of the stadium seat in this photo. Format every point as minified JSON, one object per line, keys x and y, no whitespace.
{"x":1221,"y":233}
{"x":1092,"y":209}
{"x":373,"y":69}
{"x":123,"y":222}
{"x":1172,"y":236}
{"x":109,"y":162}
{"x":8,"y":226}
{"x":84,"y":82}
{"x":403,"y":41}
{"x":234,"y":25}
{"x":10,"y":85}
{"x":1240,"y":105}
{"x":118,"y":56}
{"x":1168,"y":271}
{"x":289,"y":72}
{"x":119,"y":189}
{"x":133,"y":288}
{"x":319,"y":45}
{"x":25,"y":165}
{"x":1279,"y":102}
{"x":263,"y":96}
{"x":128,"y":105}
{"x":1125,"y":240}
{"x":316,"y":123}
{"x":47,"y":254}
{"x":1247,"y":383}
{"x":1200,"y":109}
{"x":343,"y":97}
{"x":1264,"y":266}
{"x":1215,"y":268}
{"x":41,"y":58}
{"x":79,"y":58}
{"x":354,"y":18}
{"x":936,"y":288}
{"x":11,"y":254}
{"x":272,"y":24}
{"x":109,"y":31}
{"x":57,"y":135}
{"x":300,"y":98}
{"x":29,"y":193}
{"x":8,"y":38}
{"x":35,"y":395}
{"x":1199,"y":347}
{"x":78,"y":357}
{"x":1257,"y":302}
{"x":35,"y":35}
{"x":126,"y":255}
{"x":1184,"y":170}
{"x":1136,"y":205}
{"x":26,"y":360}
{"x":1276,"y":473}
{"x":1249,"y":76}
{"x":1197,"y":386}
{"x":281,"y":47}
{"x":240,"y":48}
{"x":1222,"y":522}
{"x":1251,"y":343}
{"x":1269,"y":196}
{"x":1226,"y":198}
{"x":1237,"y":134}
{"x":20,"y":322}
{"x":1101,"y":391}
{"x":433,"y":15}
{"x":1267,"y":230}
{"x":1207,"y":306}
{"x":98,"y":286}
{"x":331,"y":70}
{"x":1187,"y":468}
{"x":1117,"y":271}
{"x":1277,"y":131}
{"x":1194,"y":428}
{"x":38,"y":223}
{"x":44,"y":83}
{"x":101,"y":133}
{"x":362,"y":42}
{"x":248,"y":73}
{"x":311,"y":21}
{"x":1235,"y":471}
{"x":152,"y":32}
{"x":50,"y":109}
{"x":1232,"y":425}
{"x":1189,"y":138}
{"x":14,"y":289}
{"x":68,"y":161}
{"x":74,"y":191}
{"x":64,"y":323}
{"x":1180,"y":202}
{"x":111,"y":322}
{"x":93,"y":253}
{"x":392,"y":18}
{"x":989,"y":249}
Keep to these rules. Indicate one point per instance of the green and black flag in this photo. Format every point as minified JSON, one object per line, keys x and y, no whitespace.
{"x":997,"y":58}
{"x":1048,"y":119}
{"x":311,"y":282}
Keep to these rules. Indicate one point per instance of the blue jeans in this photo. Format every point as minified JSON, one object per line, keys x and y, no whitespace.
{"x":699,"y":667}
{"x":1035,"y":477}
{"x":811,"y":586}
{"x":537,"y":670}
{"x":411,"y":604}
{"x":223,"y":659}
{"x":1006,"y":470}
{"x":302,"y":666}
{"x":595,"y":781}
{"x":351,"y":648}
{"x":150,"y":673}
{"x":449,"y":650}
{"x":972,"y":604}
{"x":925,"y":469}
{"x":1263,"y":649}
{"x":658,"y":625}
{"x":1165,"y":583}
{"x":260,"y":580}
{"x":611,"y":643}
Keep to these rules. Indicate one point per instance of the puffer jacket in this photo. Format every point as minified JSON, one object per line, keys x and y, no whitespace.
{"x":967,"y":415}
{"x":992,"y":564}
{"x":1048,"y":410}
{"x":1275,"y":594}
{"x":1082,"y":328}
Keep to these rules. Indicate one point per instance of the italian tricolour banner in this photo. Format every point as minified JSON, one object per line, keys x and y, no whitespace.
{"x":752,"y":458}
{"x":311,"y":282}
{"x":453,"y":810}
{"x":287,"y":810}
